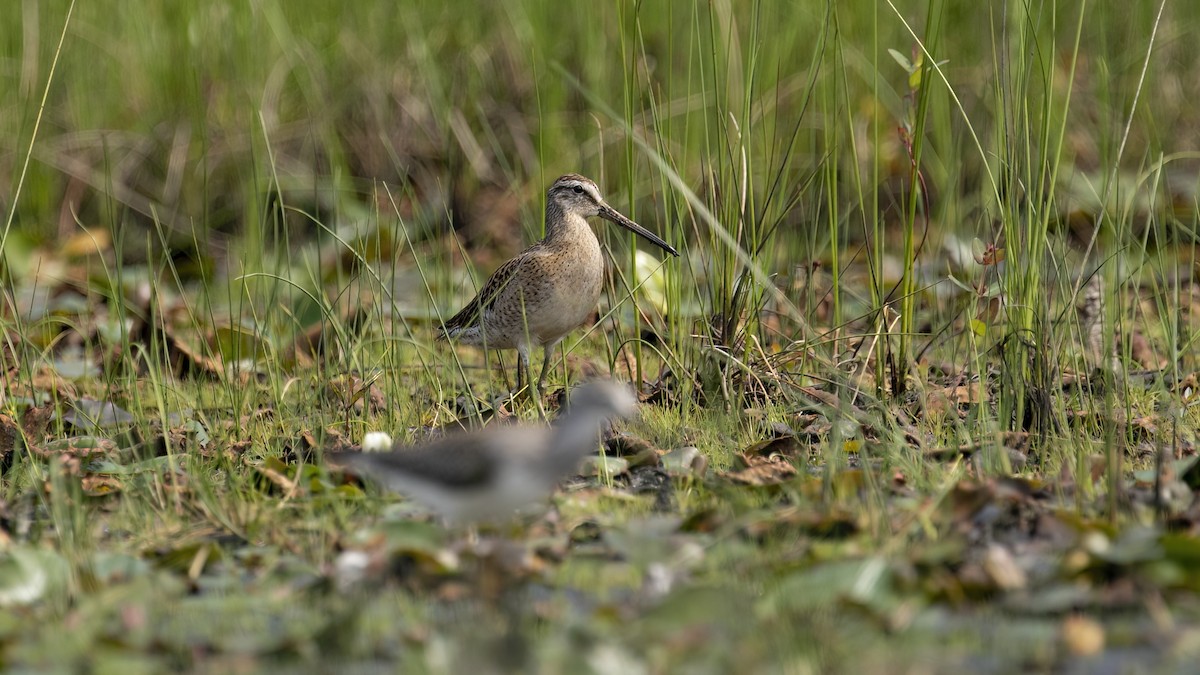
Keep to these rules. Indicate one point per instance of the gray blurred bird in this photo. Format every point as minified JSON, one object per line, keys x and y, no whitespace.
{"x":488,"y":474}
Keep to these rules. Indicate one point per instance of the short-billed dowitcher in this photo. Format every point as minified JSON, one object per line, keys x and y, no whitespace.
{"x":487,"y":474}
{"x":549,"y":289}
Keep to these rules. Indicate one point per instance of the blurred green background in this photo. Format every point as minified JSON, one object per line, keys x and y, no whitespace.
{"x":237,"y":220}
{"x":194,"y":114}
{"x":857,"y":153}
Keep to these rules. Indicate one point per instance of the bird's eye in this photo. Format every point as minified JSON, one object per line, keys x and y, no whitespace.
{"x":578,"y":190}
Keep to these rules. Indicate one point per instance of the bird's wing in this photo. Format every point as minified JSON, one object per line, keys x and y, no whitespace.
{"x":469,"y":316}
{"x":450,"y":462}
{"x":454,"y":461}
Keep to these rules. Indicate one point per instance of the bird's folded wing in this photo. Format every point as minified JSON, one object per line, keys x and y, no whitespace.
{"x":487,"y":296}
{"x":453,"y":465}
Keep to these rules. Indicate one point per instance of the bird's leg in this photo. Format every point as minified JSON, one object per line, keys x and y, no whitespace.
{"x":522,"y":369}
{"x":548,"y":355}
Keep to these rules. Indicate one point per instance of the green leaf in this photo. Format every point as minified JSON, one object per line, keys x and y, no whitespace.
{"x":914,"y":75}
{"x":27,"y":574}
{"x":902,"y":60}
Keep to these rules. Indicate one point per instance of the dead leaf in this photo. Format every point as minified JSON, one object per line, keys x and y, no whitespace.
{"x":94,"y":241}
{"x":787,"y":446}
{"x":604,"y":467}
{"x":761,"y":470}
{"x":685,"y":461}
{"x":188,"y":359}
{"x":34,"y":422}
{"x":582,"y":368}
{"x":636,"y":450}
{"x":354,"y":393}
{"x":967,"y":394}
{"x":1145,"y":425}
{"x":1187,"y":389}
{"x":989,"y":312}
{"x":314,"y":340}
{"x":987,"y":254}
{"x":1015,"y":443}
{"x":956,"y":398}
{"x":10,"y":433}
{"x":96,"y":486}
{"x":825,"y":524}
{"x":48,"y":380}
{"x":82,"y":447}
{"x":1144,"y":354}
{"x":999,"y":564}
{"x":1082,"y":636}
{"x":275,"y":471}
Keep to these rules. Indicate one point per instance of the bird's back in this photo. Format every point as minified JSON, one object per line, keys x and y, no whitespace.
{"x":537,"y":297}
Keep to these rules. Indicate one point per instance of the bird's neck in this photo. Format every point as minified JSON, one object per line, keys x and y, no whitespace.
{"x":562,"y":227}
{"x":575,"y":437}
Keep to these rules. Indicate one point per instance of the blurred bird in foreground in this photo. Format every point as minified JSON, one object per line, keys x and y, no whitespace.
{"x":486,"y":475}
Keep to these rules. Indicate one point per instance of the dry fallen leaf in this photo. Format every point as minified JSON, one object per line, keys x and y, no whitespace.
{"x":760,"y":470}
{"x":92,"y":241}
{"x":95,"y":486}
{"x":1003,"y":570}
{"x":685,"y":461}
{"x":636,"y":450}
{"x":354,"y":393}
{"x":1082,"y":636}
{"x":84,"y":447}
{"x":787,"y":446}
{"x":189,"y":359}
{"x":273,"y":470}
{"x":48,"y":380}
{"x":10,"y":432}
{"x":34,"y":422}
{"x":1187,"y":389}
{"x":1143,"y":353}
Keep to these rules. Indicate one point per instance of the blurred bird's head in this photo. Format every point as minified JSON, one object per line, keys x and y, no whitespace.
{"x":604,"y":398}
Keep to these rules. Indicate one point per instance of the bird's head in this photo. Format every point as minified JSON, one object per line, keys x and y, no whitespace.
{"x":605,"y":398}
{"x":573,"y":194}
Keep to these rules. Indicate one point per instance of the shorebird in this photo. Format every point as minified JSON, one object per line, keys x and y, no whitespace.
{"x":488,"y":474}
{"x":550,"y":288}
